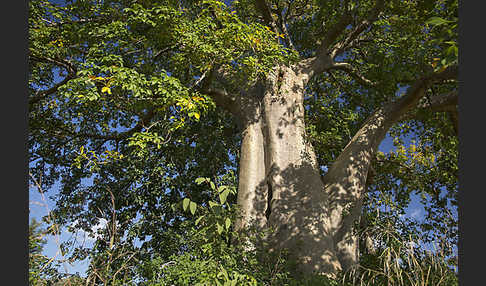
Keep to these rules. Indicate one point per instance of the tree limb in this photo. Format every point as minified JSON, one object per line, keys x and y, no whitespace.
{"x":70,"y":68}
{"x":43,"y":93}
{"x":164,"y":50}
{"x":322,"y":60}
{"x":60,"y":62}
{"x":219,"y":95}
{"x":338,"y":48}
{"x":326,"y":52}
{"x":264,"y":10}
{"x":282,"y":20}
{"x":222,"y":99}
{"x":442,"y":102}
{"x":410,"y":100}
{"x":438,"y":103}
{"x":336,"y":30}
{"x":345,"y":181}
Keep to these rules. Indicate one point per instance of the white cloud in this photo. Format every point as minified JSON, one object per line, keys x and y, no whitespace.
{"x":81,"y":235}
{"x":101,"y":225}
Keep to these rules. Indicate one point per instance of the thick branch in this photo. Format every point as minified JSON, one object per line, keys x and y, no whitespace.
{"x":322,"y":61}
{"x":345,"y":182}
{"x":43,"y":93}
{"x":438,"y":103}
{"x":222,"y":99}
{"x":219,"y":95}
{"x":334,"y":32}
{"x":264,"y":10}
{"x":417,"y":91}
{"x":442,"y":102}
{"x":360,"y":28}
{"x":60,"y":62}
{"x":70,"y":68}
{"x":326,"y":52}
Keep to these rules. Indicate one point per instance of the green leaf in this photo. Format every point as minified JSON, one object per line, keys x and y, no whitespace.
{"x":212,"y":185}
{"x":225,"y":273}
{"x":200,"y":180}
{"x":452,"y":50}
{"x":185,"y":203}
{"x":227,"y":223}
{"x":223,"y":196}
{"x":436,"y":21}
{"x":192,"y":207}
{"x":222,"y":188}
{"x":199,"y":220}
{"x":212,"y":204}
{"x":219,"y":228}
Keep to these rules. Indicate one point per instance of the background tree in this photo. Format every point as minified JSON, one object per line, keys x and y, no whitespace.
{"x":141,"y":98}
{"x":41,"y":268}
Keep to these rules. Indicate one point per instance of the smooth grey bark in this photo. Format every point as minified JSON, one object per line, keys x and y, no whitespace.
{"x":299,"y":205}
{"x":252,"y":189}
{"x":280,"y":186}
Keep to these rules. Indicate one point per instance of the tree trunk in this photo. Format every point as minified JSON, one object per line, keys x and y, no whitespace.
{"x":279,"y":181}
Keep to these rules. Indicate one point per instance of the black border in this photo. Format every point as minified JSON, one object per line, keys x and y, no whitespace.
{"x":471,"y":143}
{"x":14,"y":118}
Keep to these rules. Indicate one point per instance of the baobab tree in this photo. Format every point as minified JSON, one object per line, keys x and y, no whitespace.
{"x":261,"y":62}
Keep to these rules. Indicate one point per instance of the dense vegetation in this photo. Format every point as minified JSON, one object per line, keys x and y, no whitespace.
{"x":156,"y":117}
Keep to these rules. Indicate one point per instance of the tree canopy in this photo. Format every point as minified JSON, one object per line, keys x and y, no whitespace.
{"x":135,"y":108}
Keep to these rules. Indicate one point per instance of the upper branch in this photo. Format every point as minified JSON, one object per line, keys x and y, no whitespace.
{"x":322,"y":61}
{"x":442,"y":102}
{"x":438,"y":103}
{"x":416,"y":91}
{"x":358,"y":153}
{"x":264,"y":10}
{"x":336,"y":30}
{"x":68,"y":66}
{"x":219,"y":95}
{"x":339,"y":47}
{"x":59,"y":62}
{"x":43,"y":93}
{"x":222,"y":99}
{"x":327,"y":51}
{"x":282,"y":21}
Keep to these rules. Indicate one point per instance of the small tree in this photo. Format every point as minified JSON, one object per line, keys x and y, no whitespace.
{"x":41,"y":268}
